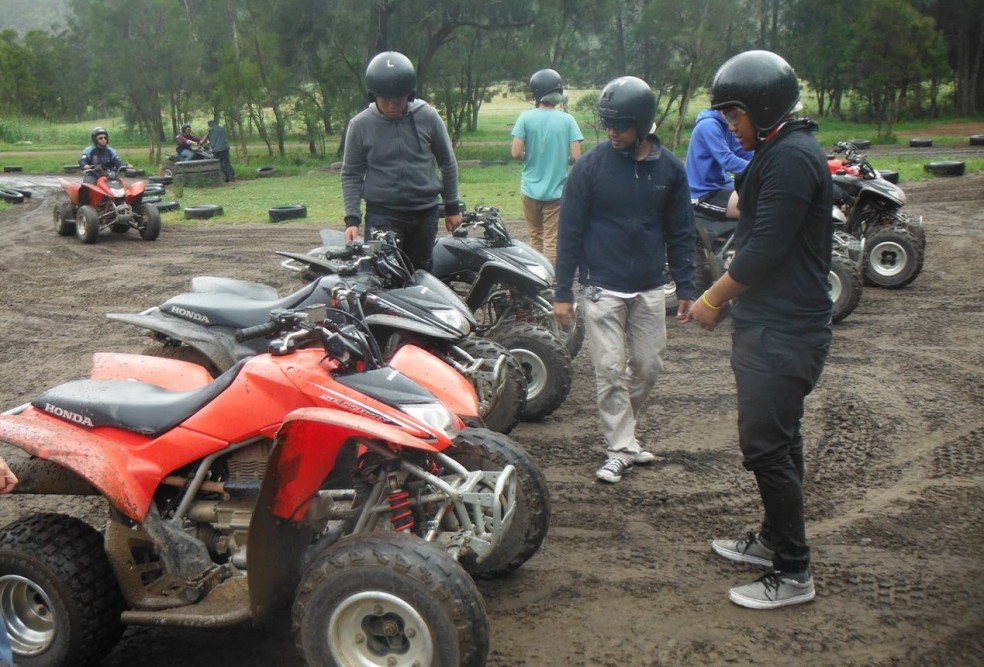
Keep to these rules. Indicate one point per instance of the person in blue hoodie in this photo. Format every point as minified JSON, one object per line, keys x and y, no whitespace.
{"x":713,"y":156}
{"x":625,"y":210}
{"x":398,"y":158}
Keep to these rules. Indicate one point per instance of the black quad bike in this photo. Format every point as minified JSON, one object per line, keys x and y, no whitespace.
{"x":894,"y":242}
{"x":200,"y":326}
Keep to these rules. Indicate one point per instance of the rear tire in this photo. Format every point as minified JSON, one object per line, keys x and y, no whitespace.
{"x":545,"y":362}
{"x":87,"y":224}
{"x":482,"y":449}
{"x":892,"y":257}
{"x":63,"y":215}
{"x":389,"y":598}
{"x":61,"y":602}
{"x":503,"y":411}
{"x":845,"y":287}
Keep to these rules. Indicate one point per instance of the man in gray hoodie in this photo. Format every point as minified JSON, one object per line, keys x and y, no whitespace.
{"x":398,"y":158}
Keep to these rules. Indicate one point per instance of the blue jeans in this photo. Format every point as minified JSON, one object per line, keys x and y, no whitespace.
{"x":186,"y":154}
{"x":774,"y":373}
{"x":627,"y":341}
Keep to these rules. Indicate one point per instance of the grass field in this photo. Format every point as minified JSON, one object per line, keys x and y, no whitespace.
{"x":46,"y":148}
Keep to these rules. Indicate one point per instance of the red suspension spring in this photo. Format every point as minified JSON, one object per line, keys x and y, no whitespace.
{"x":400,"y":514}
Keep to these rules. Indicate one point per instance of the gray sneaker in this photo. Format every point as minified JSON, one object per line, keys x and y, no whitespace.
{"x":642,"y":457}
{"x":613,"y":470}
{"x":774,"y":590}
{"x":749,"y":549}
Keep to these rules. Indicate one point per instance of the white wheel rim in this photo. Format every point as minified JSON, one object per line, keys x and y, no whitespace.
{"x":28,"y":613}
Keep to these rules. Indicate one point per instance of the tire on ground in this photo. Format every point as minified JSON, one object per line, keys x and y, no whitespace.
{"x":892,"y":257}
{"x":977,"y":140}
{"x":846,"y":286}
{"x":64,"y":218}
{"x":61,"y":560}
{"x":946,"y":168}
{"x":202,"y":212}
{"x":889,"y":175}
{"x":503,"y":411}
{"x":365,"y":584}
{"x":920,"y":143}
{"x":266,"y":171}
{"x":150,"y":222}
{"x":289,"y":212}
{"x":484,"y":449}
{"x":166,"y":205}
{"x":860,"y":144}
{"x":545,"y":362}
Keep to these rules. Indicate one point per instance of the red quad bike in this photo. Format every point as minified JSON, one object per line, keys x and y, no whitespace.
{"x":107,"y":203}
{"x":314,"y":477}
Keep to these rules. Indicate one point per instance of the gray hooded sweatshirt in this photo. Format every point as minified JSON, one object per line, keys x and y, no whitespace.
{"x":391,"y":162}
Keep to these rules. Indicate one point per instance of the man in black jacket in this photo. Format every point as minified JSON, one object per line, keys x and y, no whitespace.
{"x":626,"y":207}
{"x":781,"y":317}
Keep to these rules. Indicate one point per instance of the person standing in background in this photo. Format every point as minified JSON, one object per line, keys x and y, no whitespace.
{"x":398,"y":158}
{"x":217,"y":139}
{"x":546,"y":139}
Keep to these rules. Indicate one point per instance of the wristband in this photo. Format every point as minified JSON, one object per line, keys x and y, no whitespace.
{"x":703,"y":298}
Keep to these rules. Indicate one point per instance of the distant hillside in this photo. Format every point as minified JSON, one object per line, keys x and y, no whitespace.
{"x":26,"y":15}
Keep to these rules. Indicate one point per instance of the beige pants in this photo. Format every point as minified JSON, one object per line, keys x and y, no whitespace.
{"x":541,"y":223}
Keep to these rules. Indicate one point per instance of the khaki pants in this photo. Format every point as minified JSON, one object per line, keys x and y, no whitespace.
{"x":541,"y":223}
{"x":627,"y":341}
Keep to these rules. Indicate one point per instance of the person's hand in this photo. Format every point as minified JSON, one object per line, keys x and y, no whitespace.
{"x":563,"y":313}
{"x":351,"y":234}
{"x":683,"y":306}
{"x":452,"y":222}
{"x":8,"y":480}
{"x":704,"y":314}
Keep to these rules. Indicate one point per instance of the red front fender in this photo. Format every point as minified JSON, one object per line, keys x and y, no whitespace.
{"x":307,"y":448}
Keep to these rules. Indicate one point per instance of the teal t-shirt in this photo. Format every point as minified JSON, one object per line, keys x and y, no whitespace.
{"x":547,"y":135}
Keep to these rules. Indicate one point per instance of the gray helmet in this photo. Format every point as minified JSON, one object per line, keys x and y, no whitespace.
{"x":628,"y":98}
{"x":544,"y":82}
{"x":96,"y":131}
{"x":761,"y":83}
{"x":391,"y":74}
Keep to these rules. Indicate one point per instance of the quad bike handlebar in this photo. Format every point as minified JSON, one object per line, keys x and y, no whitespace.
{"x":490,"y":220}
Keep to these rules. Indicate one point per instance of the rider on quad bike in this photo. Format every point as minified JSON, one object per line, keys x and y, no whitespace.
{"x":99,"y":156}
{"x":188,"y":144}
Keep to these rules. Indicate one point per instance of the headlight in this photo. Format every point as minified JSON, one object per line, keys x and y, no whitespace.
{"x":117,"y":192}
{"x":434,"y":415}
{"x":453,"y":318}
{"x":540,"y":272}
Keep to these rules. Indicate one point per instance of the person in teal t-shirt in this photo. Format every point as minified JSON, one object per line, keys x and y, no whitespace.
{"x":546,"y":139}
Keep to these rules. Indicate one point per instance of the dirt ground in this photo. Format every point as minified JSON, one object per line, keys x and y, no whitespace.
{"x":895,"y":455}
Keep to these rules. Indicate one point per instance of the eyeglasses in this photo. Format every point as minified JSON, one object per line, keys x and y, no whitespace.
{"x":103,"y":137}
{"x":733,"y":115}
{"x":618,"y":125}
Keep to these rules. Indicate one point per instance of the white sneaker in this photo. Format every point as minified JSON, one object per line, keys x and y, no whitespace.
{"x":642,"y":457}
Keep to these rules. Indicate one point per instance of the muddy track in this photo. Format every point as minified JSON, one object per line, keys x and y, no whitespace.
{"x":895,"y":464}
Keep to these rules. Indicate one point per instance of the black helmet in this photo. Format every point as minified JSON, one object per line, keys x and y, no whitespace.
{"x":544,"y":82}
{"x":761,"y":83}
{"x":186,"y":127}
{"x":391,"y":74}
{"x":96,"y":131}
{"x":629,"y":98}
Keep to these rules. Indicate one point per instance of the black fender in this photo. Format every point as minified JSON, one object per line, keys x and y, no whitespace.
{"x":244,"y":288}
{"x":493,"y":273}
{"x":218,"y":344}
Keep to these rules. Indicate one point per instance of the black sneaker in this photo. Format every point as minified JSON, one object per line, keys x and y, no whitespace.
{"x":613,"y":470}
{"x":749,"y":549}
{"x":775,"y":590}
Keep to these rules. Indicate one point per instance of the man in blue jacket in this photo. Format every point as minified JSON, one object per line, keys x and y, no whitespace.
{"x":713,"y":156}
{"x":626,"y":208}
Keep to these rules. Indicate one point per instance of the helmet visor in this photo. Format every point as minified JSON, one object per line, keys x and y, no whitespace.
{"x":618,"y":124}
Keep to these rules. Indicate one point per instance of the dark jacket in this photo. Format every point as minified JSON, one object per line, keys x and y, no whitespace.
{"x":619,"y":220}
{"x":100,"y":156}
{"x":784,"y":234}
{"x":217,"y":138}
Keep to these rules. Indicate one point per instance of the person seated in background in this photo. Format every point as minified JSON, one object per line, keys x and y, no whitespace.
{"x":187,"y":143}
{"x":99,"y":156}
{"x":713,"y":156}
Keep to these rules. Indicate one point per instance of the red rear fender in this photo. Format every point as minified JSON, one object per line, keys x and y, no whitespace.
{"x":170,"y":374}
{"x":72,"y":188}
{"x":307,"y":448}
